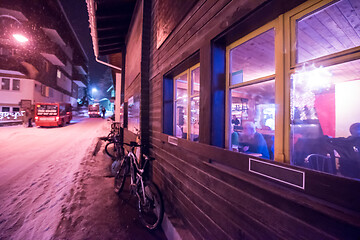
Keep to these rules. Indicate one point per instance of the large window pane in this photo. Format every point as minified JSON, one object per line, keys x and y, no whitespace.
{"x":253,"y":59}
{"x":253,"y":119}
{"x":181,"y":118}
{"x":195,"y":81}
{"x":181,"y":86}
{"x":16,"y":84}
{"x":194,"y":119}
{"x":5,"y":84}
{"x":330,"y":30}
{"x":325,"y":119}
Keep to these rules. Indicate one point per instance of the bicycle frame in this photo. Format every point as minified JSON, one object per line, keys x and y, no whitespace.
{"x":150,"y":203}
{"x":136,"y":172}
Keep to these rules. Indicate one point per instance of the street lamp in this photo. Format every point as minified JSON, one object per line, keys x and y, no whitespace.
{"x":20,"y":38}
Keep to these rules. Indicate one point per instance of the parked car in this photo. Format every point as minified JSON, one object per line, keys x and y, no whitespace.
{"x":52,"y":114}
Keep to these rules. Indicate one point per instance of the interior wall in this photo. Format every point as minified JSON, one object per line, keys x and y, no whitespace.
{"x":346,"y":95}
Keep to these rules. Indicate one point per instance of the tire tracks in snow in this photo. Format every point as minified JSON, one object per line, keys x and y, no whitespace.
{"x":33,"y":198}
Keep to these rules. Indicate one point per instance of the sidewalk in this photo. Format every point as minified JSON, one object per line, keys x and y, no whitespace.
{"x":94,"y":211}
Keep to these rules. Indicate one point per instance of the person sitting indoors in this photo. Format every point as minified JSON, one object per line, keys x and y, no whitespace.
{"x":355,"y":131}
{"x":235,"y":120}
{"x":252,"y":141}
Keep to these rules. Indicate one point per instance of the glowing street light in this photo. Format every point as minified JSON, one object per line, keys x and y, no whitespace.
{"x":94,"y":90}
{"x":20,"y":38}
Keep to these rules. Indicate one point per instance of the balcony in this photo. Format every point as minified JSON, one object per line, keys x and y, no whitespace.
{"x":56,"y":38}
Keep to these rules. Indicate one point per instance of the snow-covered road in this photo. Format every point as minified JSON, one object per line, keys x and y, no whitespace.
{"x":37,"y":167}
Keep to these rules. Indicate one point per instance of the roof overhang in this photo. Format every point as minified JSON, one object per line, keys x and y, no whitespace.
{"x":54,"y":36}
{"x":81,"y":70}
{"x":79,"y":83}
{"x":109,"y":23}
{"x":8,"y":12}
{"x":11,"y":72}
{"x":53,"y":59}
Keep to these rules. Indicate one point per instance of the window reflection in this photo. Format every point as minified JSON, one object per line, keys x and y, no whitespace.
{"x":187,"y":106}
{"x":181,"y":106}
{"x":324,"y":106}
{"x":195,"y":81}
{"x":181,"y":86}
{"x":253,"y":59}
{"x":253,"y":119}
{"x":181,"y":118}
{"x":330,"y":30}
{"x":194,"y":118}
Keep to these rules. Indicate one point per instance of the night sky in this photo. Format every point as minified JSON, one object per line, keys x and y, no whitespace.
{"x":76,"y":11}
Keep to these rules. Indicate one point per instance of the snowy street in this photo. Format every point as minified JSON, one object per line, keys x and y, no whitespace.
{"x":53,"y":187}
{"x":37,"y":166}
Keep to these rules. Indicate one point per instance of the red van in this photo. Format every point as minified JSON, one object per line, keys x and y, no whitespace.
{"x":52,"y":114}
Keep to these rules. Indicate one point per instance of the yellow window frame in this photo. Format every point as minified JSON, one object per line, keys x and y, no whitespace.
{"x":189,"y":97}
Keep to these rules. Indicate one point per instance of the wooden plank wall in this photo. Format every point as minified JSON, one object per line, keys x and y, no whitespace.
{"x":218,"y":202}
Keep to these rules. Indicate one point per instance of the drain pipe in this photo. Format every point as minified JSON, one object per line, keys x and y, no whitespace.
{"x":107,"y":64}
{"x":92,"y":21}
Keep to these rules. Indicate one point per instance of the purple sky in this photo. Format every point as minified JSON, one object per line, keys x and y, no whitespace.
{"x":78,"y":17}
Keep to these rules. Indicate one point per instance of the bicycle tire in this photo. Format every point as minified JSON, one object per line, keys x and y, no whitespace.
{"x":110,"y":150}
{"x":151,"y":212}
{"x":120,"y":176}
{"x":110,"y":136}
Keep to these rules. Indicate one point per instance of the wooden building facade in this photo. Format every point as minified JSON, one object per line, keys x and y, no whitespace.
{"x":189,"y":67}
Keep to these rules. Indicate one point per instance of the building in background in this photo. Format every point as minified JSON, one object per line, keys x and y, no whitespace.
{"x":41,"y":59}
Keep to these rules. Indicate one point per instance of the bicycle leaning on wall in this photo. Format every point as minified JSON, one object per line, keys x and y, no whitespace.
{"x":150,"y":203}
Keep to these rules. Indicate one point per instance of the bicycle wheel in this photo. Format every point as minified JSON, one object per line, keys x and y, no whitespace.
{"x":151,"y":211}
{"x":121,"y":176}
{"x":110,"y":149}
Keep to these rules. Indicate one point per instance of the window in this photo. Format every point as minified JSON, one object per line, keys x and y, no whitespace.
{"x":44,"y":91}
{"x":327,"y":31}
{"x":5,"y":84}
{"x":16,"y":85}
{"x":58,"y":74}
{"x":16,"y":109}
{"x":251,"y":89}
{"x":5,"y":109}
{"x":186,"y":104}
{"x":324,"y":100}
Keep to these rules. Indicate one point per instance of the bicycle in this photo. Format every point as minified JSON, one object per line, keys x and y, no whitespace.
{"x":150,"y":202}
{"x":114,"y":148}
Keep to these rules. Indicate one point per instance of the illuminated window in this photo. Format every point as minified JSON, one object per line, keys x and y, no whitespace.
{"x":327,"y":31}
{"x":186,"y":104}
{"x":324,"y":99}
{"x":252,"y":95}
{"x":58,"y":74}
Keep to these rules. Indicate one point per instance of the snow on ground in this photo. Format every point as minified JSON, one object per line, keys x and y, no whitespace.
{"x":37,"y":170}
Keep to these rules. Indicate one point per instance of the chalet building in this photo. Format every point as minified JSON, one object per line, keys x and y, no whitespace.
{"x":250,"y":108}
{"x":46,"y":64}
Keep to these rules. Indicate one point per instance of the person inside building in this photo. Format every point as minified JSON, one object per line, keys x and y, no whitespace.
{"x":355,"y":130}
{"x":252,"y":141}
{"x":235,"y":120}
